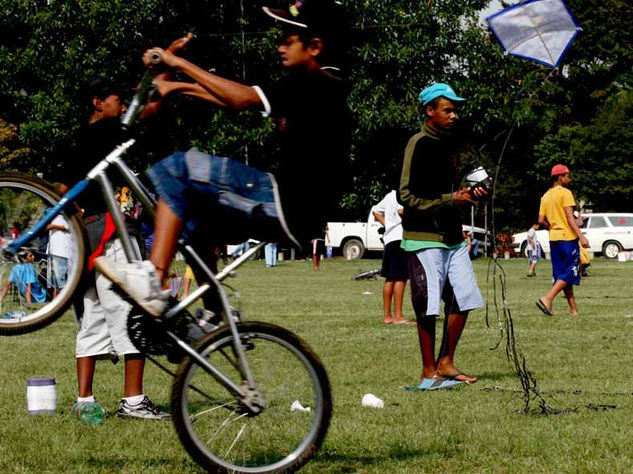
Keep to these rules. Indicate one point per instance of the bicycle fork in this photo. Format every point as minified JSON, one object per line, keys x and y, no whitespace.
{"x":247,"y":393}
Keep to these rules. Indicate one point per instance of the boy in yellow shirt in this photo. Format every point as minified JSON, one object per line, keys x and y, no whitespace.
{"x":556,"y":214}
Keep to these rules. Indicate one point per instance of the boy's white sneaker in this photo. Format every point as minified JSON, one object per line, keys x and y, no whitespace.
{"x":139,"y":280}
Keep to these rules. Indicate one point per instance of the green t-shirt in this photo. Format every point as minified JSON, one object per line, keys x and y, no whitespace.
{"x":415,"y":245}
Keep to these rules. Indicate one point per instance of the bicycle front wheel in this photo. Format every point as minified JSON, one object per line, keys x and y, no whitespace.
{"x":221,"y":435}
{"x":38,"y":283}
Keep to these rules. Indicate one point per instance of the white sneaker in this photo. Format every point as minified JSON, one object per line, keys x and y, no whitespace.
{"x":139,"y":281}
{"x":145,"y":410}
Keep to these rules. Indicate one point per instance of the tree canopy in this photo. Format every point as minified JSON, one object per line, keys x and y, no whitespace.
{"x":578,"y":114}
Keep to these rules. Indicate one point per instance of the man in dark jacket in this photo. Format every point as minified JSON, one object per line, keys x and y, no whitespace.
{"x":439,"y":265}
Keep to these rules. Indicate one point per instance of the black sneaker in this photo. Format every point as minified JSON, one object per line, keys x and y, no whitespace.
{"x":146,"y":410}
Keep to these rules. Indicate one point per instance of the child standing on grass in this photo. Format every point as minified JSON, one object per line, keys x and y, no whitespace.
{"x":533,"y":250}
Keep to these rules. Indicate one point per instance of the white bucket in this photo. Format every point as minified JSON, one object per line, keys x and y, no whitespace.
{"x":41,"y":396}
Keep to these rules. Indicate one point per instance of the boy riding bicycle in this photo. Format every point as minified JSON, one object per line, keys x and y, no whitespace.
{"x":313,"y":126}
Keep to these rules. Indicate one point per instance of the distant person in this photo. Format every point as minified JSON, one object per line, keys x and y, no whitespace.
{"x":58,"y":251}
{"x":473,"y":244}
{"x":15,"y":231}
{"x":533,"y":250}
{"x":585,"y":256}
{"x":394,"y":261}
{"x":556,"y":214}
{"x":270,"y":254}
{"x":318,"y":251}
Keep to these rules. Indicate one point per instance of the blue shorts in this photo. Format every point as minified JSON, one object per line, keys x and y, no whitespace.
{"x":438,"y":274}
{"x":233,"y":201}
{"x":565,"y":261}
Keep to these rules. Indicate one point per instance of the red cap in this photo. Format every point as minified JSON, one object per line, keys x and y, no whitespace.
{"x":558,"y":170}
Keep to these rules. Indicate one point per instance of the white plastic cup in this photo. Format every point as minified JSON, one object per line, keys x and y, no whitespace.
{"x":41,"y":395}
{"x":371,"y":400}
{"x":296,"y":406}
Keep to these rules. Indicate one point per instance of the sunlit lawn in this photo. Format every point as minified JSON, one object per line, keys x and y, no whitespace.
{"x":579,"y":363}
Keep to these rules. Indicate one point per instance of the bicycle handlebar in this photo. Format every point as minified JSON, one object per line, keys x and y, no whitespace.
{"x":144,"y":92}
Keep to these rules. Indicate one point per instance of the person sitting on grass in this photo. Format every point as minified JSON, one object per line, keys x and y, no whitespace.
{"x":314,"y":131}
{"x":24,"y":276}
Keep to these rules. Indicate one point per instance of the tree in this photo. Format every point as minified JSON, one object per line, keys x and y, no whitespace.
{"x":8,"y":152}
{"x":397,"y":47}
{"x":600,"y":155}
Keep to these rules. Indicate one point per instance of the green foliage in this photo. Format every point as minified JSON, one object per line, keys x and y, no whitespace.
{"x":396,"y":47}
{"x":600,"y":154}
{"x":8,"y":152}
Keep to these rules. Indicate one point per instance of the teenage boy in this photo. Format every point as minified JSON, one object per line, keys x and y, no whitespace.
{"x":394,"y":261}
{"x":103,"y":331}
{"x":313,"y":126}
{"x":556,"y":214}
{"x":439,"y":265}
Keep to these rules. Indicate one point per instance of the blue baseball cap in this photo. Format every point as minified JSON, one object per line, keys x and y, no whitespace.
{"x":439,"y":90}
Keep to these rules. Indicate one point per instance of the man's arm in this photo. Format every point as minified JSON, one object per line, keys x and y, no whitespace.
{"x":231,"y":93}
{"x":571,"y":220}
{"x":186,"y":88}
{"x":379,"y":217}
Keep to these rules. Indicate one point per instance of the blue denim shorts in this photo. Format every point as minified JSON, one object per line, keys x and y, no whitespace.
{"x":232,"y":200}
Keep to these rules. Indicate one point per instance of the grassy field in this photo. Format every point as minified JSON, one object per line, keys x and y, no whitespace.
{"x":583,"y":363}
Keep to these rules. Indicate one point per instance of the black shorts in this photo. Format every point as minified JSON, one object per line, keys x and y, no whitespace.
{"x":394,"y":263}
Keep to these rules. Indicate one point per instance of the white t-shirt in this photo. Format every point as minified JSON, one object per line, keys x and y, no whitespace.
{"x":531,"y":237}
{"x":389,"y":207}
{"x":59,"y":240}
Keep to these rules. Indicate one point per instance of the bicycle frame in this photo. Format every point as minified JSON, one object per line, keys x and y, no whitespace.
{"x":247,"y":394}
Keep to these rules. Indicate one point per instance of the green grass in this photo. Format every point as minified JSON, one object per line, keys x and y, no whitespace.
{"x":576,"y":361}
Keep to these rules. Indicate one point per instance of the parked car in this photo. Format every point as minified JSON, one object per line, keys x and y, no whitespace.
{"x":354,"y":238}
{"x":607,"y":233}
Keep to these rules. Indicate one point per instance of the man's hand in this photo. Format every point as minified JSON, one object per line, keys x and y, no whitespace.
{"x":164,"y":58}
{"x":584,"y":242}
{"x":163,"y":87}
{"x":463,"y":197}
{"x":478,"y":191}
{"x":167,"y":57}
{"x":180,"y":44}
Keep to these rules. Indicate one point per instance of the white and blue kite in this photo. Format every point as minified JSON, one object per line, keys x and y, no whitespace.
{"x":538,"y":30}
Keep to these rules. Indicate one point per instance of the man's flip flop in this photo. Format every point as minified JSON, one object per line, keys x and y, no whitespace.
{"x":460,"y":377}
{"x":540,"y":305}
{"x":406,"y":322}
{"x":433,"y":384}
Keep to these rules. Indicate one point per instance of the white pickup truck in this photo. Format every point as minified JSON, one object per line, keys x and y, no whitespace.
{"x":355,"y":238}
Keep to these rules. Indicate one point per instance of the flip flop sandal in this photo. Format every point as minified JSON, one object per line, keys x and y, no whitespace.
{"x":540,"y":305}
{"x":433,"y":384}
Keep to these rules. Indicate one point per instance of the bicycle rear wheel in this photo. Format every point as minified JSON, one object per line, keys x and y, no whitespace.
{"x":38,"y":283}
{"x":218,"y":432}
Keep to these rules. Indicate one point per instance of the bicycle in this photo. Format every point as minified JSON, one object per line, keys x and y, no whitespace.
{"x":238,"y":385}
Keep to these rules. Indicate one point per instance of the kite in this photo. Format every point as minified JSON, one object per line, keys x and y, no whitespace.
{"x":538,"y":30}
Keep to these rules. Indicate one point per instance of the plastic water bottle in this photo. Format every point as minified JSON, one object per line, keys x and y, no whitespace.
{"x":90,"y":413}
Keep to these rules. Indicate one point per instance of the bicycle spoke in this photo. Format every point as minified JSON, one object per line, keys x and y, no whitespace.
{"x":273,"y":438}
